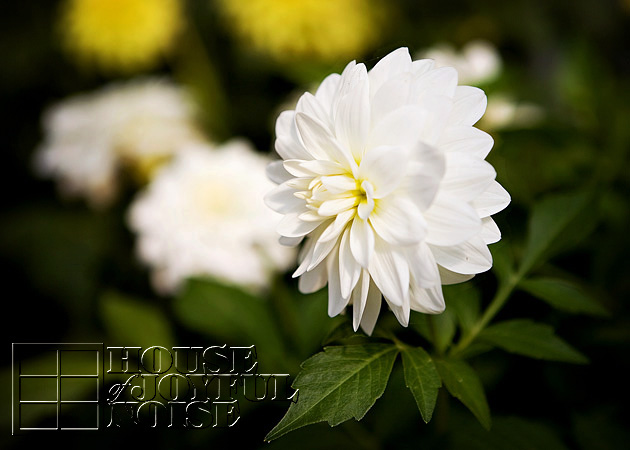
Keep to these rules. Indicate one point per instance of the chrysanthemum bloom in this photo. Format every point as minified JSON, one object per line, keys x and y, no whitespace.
{"x":384,"y":175}
{"x":120,"y":35}
{"x":314,"y":29}
{"x":204,"y":214}
{"x":138,"y":124}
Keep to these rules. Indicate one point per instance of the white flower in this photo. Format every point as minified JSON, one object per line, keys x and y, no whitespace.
{"x":478,"y":62}
{"x":204,"y":214}
{"x":384,"y":174}
{"x":504,"y":112}
{"x":88,"y":137}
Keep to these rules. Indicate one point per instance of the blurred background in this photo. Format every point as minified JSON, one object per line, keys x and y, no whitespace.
{"x":117,"y":112}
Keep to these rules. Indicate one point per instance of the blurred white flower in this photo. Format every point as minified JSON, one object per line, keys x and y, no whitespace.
{"x":504,"y":112}
{"x":384,"y":174}
{"x":204,"y":214}
{"x":87,"y":138}
{"x":478,"y":62}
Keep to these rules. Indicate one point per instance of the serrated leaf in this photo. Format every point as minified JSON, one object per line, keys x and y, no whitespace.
{"x":548,"y":224}
{"x":229,"y":313}
{"x":422,"y":378}
{"x":338,"y":384}
{"x":528,"y":338}
{"x":563,"y":295}
{"x":463,"y":383}
{"x":130,"y":321}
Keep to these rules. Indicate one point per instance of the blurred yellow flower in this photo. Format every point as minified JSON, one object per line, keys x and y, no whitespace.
{"x":119,"y":35}
{"x":320,"y":29}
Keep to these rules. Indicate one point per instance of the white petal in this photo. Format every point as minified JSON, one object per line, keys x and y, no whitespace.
{"x":338,"y":184}
{"x":292,"y":226}
{"x":424,"y":174}
{"x":422,"y":265}
{"x":276,"y":172}
{"x":466,"y":139}
{"x":428,"y":301}
{"x":320,"y":143}
{"x":449,"y":277}
{"x":392,"y":95}
{"x":492,"y":200}
{"x":401,"y":127}
{"x":352,"y":120}
{"x":327,"y":90}
{"x":335,"y":228}
{"x":320,"y":251}
{"x":422,"y":66}
{"x":288,"y":144}
{"x":382,"y":167}
{"x":305,"y":255}
{"x":336,"y":302}
{"x":468,"y":106}
{"x":310,"y":106}
{"x":336,"y":206}
{"x":466,"y":176}
{"x":398,"y":221}
{"x":361,"y":241}
{"x":470,"y":257}
{"x":372,"y":309}
{"x":441,"y":81}
{"x":401,"y":312}
{"x":359,"y":298}
{"x":451,"y":221}
{"x":294,"y":167}
{"x":351,"y":76}
{"x":490,"y":232}
{"x":314,"y":280}
{"x":389,"y":66}
{"x":390,"y":271}
{"x":290,"y":242}
{"x":282,"y":200}
{"x":438,"y":108}
{"x":349,"y":269}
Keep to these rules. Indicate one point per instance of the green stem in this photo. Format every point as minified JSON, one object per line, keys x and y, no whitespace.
{"x":502,"y":295}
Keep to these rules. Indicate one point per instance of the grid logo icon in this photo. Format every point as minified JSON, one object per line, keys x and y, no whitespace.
{"x":56,"y":386}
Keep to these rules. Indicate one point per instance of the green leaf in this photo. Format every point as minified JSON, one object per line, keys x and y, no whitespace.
{"x":563,"y":295}
{"x":549,"y":224}
{"x":463,"y":383}
{"x":536,"y":340}
{"x":422,"y":378}
{"x":228,"y":313}
{"x":338,"y":384}
{"x":133,"y":322}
